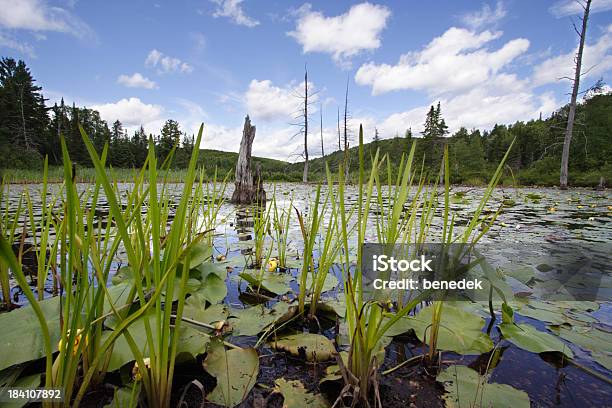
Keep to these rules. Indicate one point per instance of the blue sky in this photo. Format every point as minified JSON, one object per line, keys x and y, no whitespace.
{"x":213,"y":61}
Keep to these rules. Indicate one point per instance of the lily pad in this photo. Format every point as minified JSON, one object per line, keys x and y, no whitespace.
{"x":212,"y":289}
{"x":273,"y":282}
{"x":331,"y":282}
{"x":295,"y":395}
{"x":531,"y":339}
{"x":460,"y":331}
{"x":200,"y":252}
{"x":523,"y":274}
{"x":29,"y":382}
{"x":195,"y":309}
{"x":121,"y":352}
{"x":235,"y":370}
{"x":21,"y":339}
{"x":590,"y":339}
{"x":309,"y":346}
{"x":125,"y":397}
{"x":466,"y":389}
{"x":604,"y":359}
{"x":253,"y":320}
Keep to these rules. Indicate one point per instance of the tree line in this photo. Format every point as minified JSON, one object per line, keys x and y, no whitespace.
{"x":30,"y":130}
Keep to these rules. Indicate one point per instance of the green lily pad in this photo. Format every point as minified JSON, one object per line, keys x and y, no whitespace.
{"x":556,"y":317}
{"x":466,"y":389}
{"x":460,"y":331}
{"x":195,"y":309}
{"x":31,"y":381}
{"x":200,"y":252}
{"x":531,"y":339}
{"x":523,"y":274}
{"x":125,"y":397}
{"x":309,"y":346}
{"x":235,"y":370}
{"x":337,"y":306}
{"x":212,"y":289}
{"x":21,"y":339}
{"x":121,"y":351}
{"x":192,"y":341}
{"x":604,"y":359}
{"x":273,"y":282}
{"x":253,"y":320}
{"x":119,"y":294}
{"x":590,"y":339}
{"x":331,"y":282}
{"x":295,"y":395}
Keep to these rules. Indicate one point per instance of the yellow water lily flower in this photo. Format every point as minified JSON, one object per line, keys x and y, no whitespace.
{"x":136,"y":370}
{"x":272,"y":265}
{"x":580,"y":206}
{"x":552,"y":209}
{"x":77,"y":341}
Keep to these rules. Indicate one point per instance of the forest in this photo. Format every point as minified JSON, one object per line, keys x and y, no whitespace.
{"x":30,"y":130}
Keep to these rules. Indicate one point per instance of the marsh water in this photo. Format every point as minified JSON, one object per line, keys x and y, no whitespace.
{"x":532,"y":221}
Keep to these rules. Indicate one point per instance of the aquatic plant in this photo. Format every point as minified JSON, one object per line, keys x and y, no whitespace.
{"x":281,"y":221}
{"x":367,"y":321}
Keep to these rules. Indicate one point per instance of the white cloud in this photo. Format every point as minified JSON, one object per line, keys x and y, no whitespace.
{"x":485,"y":17}
{"x":455,"y":61}
{"x":166,"y":64}
{"x":12,"y":43}
{"x":233,"y":10}
{"x":131,"y":112}
{"x":597,"y":60}
{"x":482,"y":107}
{"x":136,"y":80}
{"x":37,"y":15}
{"x":343,"y":36}
{"x":565,"y":8}
{"x":267,"y":102}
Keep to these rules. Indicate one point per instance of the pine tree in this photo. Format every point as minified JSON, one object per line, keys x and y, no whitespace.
{"x":23,"y":115}
{"x":170,"y":137}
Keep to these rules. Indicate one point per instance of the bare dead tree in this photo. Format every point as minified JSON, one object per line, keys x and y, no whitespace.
{"x":248,"y":183}
{"x":572,"y":107}
{"x":346,"y":141}
{"x":305,"y":175}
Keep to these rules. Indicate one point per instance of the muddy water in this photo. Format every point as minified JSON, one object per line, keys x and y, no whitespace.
{"x":532,"y":220}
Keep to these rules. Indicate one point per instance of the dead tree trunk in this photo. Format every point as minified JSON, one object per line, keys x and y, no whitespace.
{"x":248,"y":186}
{"x":305,"y":175}
{"x":572,"y":107}
{"x":346,"y":143}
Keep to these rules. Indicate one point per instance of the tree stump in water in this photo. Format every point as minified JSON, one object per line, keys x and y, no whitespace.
{"x":248,"y":185}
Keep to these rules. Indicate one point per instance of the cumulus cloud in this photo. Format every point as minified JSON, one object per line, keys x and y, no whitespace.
{"x":232,"y":9}
{"x":482,"y":107}
{"x":9,"y":41}
{"x":566,"y":8}
{"x":455,"y":61}
{"x":597,"y":60}
{"x":343,"y":36}
{"x":267,"y":102}
{"x":485,"y":17}
{"x":166,"y":64}
{"x":136,"y":80}
{"x":130,"y":112}
{"x":37,"y":15}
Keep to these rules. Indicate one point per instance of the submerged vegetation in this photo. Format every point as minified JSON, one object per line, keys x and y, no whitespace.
{"x":127,"y":287}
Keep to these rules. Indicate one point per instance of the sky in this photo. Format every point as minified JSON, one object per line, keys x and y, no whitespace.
{"x":214,"y":61}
